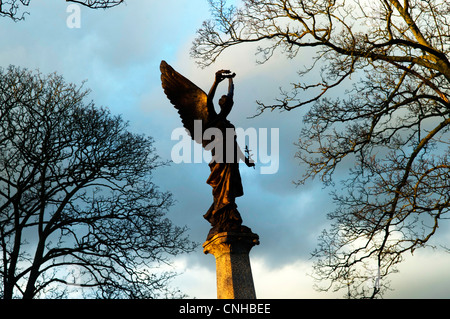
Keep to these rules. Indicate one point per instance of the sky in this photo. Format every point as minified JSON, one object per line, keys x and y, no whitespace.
{"x":118,"y":52}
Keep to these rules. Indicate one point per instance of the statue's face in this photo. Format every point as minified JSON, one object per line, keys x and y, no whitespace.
{"x":222,"y":100}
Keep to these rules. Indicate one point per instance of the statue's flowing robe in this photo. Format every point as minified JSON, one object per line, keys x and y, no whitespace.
{"x":225,"y":178}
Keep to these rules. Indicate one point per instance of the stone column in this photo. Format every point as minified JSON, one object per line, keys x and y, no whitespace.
{"x":233,"y":271}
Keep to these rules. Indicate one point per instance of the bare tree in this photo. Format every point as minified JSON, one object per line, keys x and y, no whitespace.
{"x":14,"y":8}
{"x":78,"y":208}
{"x":392,"y":124}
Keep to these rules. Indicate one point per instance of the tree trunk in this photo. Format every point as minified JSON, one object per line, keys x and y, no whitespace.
{"x":30,"y":290}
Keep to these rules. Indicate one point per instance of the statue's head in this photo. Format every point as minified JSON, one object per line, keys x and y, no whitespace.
{"x":225,"y":103}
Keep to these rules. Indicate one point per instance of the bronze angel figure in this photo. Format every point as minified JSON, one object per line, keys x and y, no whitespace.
{"x":193,"y":104}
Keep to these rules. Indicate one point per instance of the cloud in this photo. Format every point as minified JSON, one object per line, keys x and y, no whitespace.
{"x":290,"y":281}
{"x":422,"y":275}
{"x":195,"y":279}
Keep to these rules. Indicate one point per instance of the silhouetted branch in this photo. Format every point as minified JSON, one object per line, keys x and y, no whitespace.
{"x":13,"y":9}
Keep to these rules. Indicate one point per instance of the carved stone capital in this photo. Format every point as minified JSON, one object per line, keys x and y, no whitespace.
{"x":230,"y":243}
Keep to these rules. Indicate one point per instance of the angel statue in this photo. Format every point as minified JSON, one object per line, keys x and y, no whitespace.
{"x":194,"y":104}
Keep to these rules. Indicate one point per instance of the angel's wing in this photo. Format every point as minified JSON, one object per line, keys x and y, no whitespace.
{"x":188,"y":99}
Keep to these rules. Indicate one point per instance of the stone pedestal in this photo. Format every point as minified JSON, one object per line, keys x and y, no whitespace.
{"x":233,"y":271}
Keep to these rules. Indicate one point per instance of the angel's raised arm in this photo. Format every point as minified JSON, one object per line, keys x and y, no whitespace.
{"x":230,"y":87}
{"x":219,"y":78}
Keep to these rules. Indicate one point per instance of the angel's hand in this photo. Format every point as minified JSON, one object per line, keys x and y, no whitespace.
{"x":223,"y":74}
